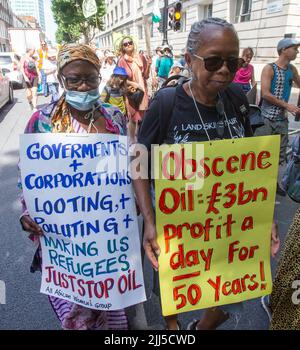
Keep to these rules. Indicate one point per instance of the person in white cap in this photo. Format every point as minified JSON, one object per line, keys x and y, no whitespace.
{"x":107,"y":68}
{"x":50,"y":70}
{"x":276,"y":83}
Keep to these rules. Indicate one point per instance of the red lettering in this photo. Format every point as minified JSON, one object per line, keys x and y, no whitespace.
{"x":175,"y":197}
{"x":230,"y":195}
{"x":167,"y":236}
{"x":247,"y":223}
{"x":81,"y":290}
{"x":216,"y":286}
{"x":214,"y":168}
{"x":184,"y":162}
{"x":243,"y":282}
{"x":90,"y":291}
{"x":263,"y":155}
{"x":255,"y":284}
{"x":229,"y":224}
{"x":205,"y":167}
{"x":262,"y":190}
{"x":242,"y":194}
{"x":224,"y":288}
{"x":243,"y":254}
{"x":230,"y":160}
{"x":236,"y":286}
{"x":49,"y":269}
{"x":122,"y":284}
{"x":214,"y":199}
{"x":165,"y":162}
{"x":196,"y":227}
{"x":232,"y":250}
{"x":244,"y":160}
{"x":194,"y":299}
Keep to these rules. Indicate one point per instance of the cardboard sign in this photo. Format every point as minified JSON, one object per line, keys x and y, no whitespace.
{"x":78,"y":189}
{"x":214,"y":210}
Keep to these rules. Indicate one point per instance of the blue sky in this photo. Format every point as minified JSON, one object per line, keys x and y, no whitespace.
{"x":50,"y":24}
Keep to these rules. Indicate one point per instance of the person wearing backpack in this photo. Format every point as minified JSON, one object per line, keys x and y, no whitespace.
{"x":181,"y":114}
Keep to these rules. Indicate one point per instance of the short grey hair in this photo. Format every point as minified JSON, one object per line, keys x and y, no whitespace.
{"x":195,"y":40}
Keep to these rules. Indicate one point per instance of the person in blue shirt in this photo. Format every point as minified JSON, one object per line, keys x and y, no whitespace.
{"x":163,"y":65}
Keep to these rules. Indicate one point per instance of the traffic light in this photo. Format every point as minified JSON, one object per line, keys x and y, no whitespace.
{"x":177,"y":16}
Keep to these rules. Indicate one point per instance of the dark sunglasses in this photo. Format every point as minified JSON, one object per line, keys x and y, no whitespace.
{"x":214,"y":63}
{"x":128,"y":43}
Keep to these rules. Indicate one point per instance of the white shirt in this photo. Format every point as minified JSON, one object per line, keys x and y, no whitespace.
{"x":50,"y":65}
{"x":106,"y":71}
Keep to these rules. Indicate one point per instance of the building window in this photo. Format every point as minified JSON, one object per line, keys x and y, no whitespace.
{"x":121,"y":9}
{"x":208,"y":11}
{"x":140,"y":32}
{"x":205,"y":11}
{"x":128,"y":7}
{"x":112,"y":18}
{"x":243,"y":11}
{"x":116,"y":13}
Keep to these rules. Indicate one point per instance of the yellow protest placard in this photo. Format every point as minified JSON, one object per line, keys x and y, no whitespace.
{"x":214,"y":211}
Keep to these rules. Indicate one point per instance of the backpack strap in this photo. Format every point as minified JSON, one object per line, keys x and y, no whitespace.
{"x":166,"y":98}
{"x":240,"y":105}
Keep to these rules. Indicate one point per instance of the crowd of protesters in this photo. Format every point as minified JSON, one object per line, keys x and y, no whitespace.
{"x":204,"y":71}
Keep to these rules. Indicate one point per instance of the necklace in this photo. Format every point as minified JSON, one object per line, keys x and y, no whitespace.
{"x":199,"y":114}
{"x":91,"y":115}
{"x":200,"y":117}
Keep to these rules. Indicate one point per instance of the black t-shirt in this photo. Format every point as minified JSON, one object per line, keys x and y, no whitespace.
{"x":185,"y":124}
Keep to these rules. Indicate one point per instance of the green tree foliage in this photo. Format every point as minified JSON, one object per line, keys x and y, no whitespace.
{"x":72,"y":25}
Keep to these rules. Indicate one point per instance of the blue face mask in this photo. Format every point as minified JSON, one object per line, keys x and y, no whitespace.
{"x":82,"y":100}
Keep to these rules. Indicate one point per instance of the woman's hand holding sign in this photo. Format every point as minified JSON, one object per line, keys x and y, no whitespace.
{"x":150,"y":244}
{"x":30,"y":225}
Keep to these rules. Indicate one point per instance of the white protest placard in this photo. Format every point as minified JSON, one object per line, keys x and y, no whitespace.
{"x":78,"y":189}
{"x":89,"y":8}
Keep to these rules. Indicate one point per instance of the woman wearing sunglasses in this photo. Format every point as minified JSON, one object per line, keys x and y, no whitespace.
{"x":138,"y":69}
{"x":201,"y":111}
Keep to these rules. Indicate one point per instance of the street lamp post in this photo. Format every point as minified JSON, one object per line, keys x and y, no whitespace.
{"x":165,"y":23}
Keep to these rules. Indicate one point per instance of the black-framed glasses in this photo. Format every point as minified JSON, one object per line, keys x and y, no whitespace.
{"x":75,"y":81}
{"x":214,"y":63}
{"x":128,"y":43}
